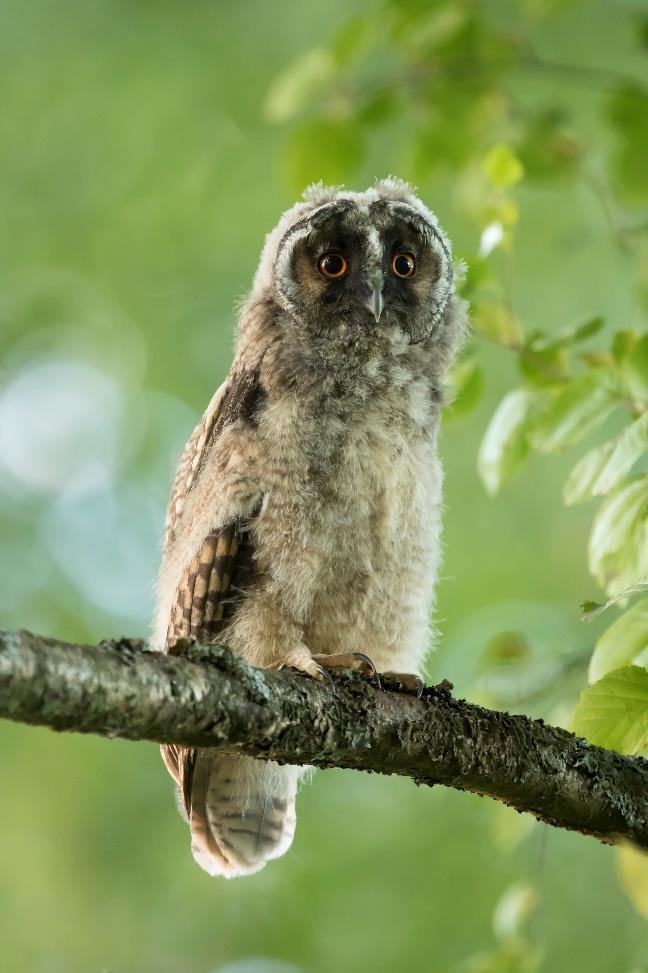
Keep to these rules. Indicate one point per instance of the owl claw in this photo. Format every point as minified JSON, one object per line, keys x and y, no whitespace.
{"x":301,"y":660}
{"x":323,"y":675}
{"x":321,"y":665}
{"x":404,"y":682}
{"x":370,"y":667}
{"x":349,"y":660}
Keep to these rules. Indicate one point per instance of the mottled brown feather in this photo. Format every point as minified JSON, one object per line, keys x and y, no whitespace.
{"x":214,"y":581}
{"x":213,"y":584}
{"x":239,"y":397}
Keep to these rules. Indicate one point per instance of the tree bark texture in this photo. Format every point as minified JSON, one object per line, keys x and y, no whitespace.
{"x":210,"y":698}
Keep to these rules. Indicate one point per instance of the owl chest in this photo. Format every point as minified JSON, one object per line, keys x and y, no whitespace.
{"x":348,"y":503}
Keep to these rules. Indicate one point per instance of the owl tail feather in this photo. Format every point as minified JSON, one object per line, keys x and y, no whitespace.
{"x":241,"y":812}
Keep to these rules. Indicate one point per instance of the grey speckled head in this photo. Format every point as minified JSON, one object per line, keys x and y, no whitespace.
{"x":396,"y":262}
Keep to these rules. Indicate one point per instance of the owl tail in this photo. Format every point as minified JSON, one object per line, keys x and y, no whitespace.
{"x":241,"y":811}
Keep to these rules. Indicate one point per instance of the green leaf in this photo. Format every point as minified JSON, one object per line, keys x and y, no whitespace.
{"x":628,"y":112}
{"x":622,"y":344}
{"x":597,"y":358}
{"x":624,"y":643}
{"x":584,"y":475}
{"x":546,"y":369}
{"x":466,"y":381}
{"x":295,"y":87}
{"x":543,"y":364}
{"x":502,"y":166}
{"x":628,"y":448}
{"x":327,"y":151}
{"x":602,"y":468}
{"x":633,"y":875}
{"x":613,"y":713}
{"x":593,"y":608}
{"x":439,"y":26}
{"x":630,"y":352}
{"x":356,"y":39}
{"x":634,"y":371}
{"x":569,"y":336}
{"x":580,"y":332}
{"x":504,"y":445}
{"x":618,"y":544}
{"x":571,"y":414}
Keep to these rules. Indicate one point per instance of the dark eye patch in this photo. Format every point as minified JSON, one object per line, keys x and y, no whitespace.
{"x":410,"y":244}
{"x":331,"y":238}
{"x":403,"y":237}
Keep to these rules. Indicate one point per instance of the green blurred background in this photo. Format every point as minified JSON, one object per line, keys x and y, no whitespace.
{"x":146,"y":148}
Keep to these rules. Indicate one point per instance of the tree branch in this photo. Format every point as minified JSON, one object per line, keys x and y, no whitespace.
{"x":210,"y":697}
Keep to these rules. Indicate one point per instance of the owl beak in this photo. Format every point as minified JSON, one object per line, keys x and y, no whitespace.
{"x":376,"y":303}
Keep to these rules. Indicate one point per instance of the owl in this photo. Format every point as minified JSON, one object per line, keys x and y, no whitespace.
{"x":304,"y":523}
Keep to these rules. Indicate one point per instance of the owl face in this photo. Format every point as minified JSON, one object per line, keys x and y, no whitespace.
{"x":365,"y":262}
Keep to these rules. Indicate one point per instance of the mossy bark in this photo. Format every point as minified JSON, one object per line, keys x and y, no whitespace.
{"x":209,"y":697}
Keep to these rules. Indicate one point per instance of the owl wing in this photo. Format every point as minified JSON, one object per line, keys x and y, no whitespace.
{"x":238,"y":397}
{"x":216,"y":577}
{"x":212,"y":584}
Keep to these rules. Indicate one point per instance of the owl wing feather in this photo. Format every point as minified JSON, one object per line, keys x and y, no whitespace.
{"x":191,"y":460}
{"x":239,"y":397}
{"x":214,"y":580}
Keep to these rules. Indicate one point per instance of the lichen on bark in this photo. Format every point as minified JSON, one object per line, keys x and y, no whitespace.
{"x":208,"y":697}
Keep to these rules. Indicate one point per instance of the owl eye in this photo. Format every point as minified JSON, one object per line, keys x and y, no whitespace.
{"x":403,"y":264}
{"x":332,"y":265}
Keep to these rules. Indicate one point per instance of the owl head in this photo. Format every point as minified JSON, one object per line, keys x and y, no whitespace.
{"x":374,"y":263}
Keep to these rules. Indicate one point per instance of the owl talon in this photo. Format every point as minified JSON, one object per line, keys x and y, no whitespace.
{"x":348,"y":660}
{"x":302,"y":661}
{"x":404,"y":682}
{"x":368,"y":664}
{"x":324,"y":676}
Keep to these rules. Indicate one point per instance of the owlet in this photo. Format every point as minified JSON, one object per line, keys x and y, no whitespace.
{"x":304,"y":523}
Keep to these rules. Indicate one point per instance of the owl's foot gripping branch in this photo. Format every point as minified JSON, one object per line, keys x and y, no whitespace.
{"x":211,"y":698}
